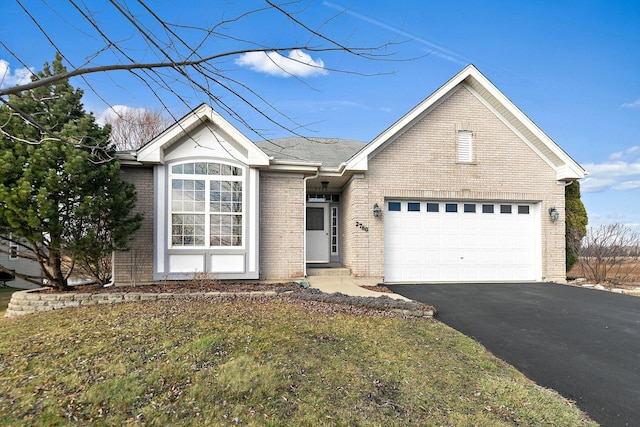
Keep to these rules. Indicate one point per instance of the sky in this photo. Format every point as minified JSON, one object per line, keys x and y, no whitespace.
{"x":573,"y":67}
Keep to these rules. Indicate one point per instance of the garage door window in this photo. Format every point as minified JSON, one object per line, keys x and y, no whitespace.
{"x":413,"y":207}
{"x":394,"y":206}
{"x":505,"y":209}
{"x":451,"y":207}
{"x":487,"y":209}
{"x":523,"y":210}
{"x":469,"y":208}
{"x":433,"y":207}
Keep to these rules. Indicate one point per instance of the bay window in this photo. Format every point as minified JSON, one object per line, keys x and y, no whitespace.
{"x":206,"y":205}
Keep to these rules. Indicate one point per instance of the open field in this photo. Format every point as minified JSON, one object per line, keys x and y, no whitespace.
{"x":261,"y":361}
{"x":628,"y":271}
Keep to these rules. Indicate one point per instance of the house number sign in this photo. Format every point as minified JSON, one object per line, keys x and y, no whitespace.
{"x":362,"y":226}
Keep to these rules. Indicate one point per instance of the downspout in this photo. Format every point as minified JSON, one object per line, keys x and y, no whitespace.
{"x":304,"y":224}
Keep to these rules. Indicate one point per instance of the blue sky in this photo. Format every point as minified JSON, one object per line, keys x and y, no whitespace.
{"x":572,"y":66}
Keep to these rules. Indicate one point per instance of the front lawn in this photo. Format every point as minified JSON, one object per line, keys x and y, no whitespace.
{"x":266,"y":361}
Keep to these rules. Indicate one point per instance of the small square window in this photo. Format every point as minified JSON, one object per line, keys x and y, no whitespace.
{"x":505,"y":209}
{"x":413,"y":207}
{"x":469,"y":208}
{"x":394,"y":206}
{"x":487,"y":208}
{"x":433,"y":207}
{"x":451,"y":207}
{"x":523,"y":210}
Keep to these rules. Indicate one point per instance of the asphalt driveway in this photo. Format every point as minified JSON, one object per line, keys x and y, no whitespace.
{"x":583,"y":343}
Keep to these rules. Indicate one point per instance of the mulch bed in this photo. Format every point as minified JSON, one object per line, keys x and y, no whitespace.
{"x":182,"y":287}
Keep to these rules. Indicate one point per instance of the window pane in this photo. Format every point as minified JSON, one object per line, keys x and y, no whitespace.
{"x":469,"y":208}
{"x":201,"y":168}
{"x":394,"y":206}
{"x":188,"y":168}
{"x":225,"y":170}
{"x":433,"y":207}
{"x":413,"y":207}
{"x":213,"y":169}
{"x":315,"y":218}
{"x":187,"y":230}
{"x":176,"y":169}
{"x":523,"y":210}
{"x":487,"y":208}
{"x":505,"y":209}
{"x":451,"y":207}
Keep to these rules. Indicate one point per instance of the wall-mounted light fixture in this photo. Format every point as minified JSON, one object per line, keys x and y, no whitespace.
{"x":377,"y":212}
{"x":325,"y":185}
{"x":554,"y":214}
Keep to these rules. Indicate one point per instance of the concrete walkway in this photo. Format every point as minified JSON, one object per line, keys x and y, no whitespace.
{"x":347,"y":285}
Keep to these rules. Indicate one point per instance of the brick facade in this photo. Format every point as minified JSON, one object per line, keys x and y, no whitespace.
{"x":282,"y":207}
{"x":136,"y":265}
{"x":421,"y":164}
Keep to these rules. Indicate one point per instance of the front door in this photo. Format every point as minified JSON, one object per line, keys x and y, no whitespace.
{"x":318,"y":236}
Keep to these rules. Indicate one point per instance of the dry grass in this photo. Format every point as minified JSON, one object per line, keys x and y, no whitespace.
{"x":629,"y":269}
{"x":265,"y":361}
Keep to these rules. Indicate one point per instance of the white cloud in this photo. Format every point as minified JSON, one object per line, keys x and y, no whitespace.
{"x":627,"y":185}
{"x":595,"y":185}
{"x":633,"y":104}
{"x":115,"y":111}
{"x":18,"y":77}
{"x":297,"y":64}
{"x":620,"y":172}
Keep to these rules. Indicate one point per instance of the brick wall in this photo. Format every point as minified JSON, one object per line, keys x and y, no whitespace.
{"x":421,"y":163}
{"x":281,"y":226}
{"x":136,"y":265}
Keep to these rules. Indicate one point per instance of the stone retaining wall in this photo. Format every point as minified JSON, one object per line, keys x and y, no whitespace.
{"x":34,"y":301}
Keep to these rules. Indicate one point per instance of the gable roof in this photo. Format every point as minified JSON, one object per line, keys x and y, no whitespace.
{"x":566,"y":168}
{"x":331,"y":152}
{"x":153,"y":151}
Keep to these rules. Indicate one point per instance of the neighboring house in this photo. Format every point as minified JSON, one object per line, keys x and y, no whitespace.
{"x":10,"y":259}
{"x":463,"y":188}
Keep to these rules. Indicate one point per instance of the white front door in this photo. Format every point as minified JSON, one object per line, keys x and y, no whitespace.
{"x":318,"y":239}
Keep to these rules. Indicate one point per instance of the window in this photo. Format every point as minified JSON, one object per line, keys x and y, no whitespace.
{"x":464,"y":152}
{"x":413,"y":207}
{"x":394,"y":206}
{"x":315,"y":219}
{"x":433,"y":207}
{"x":451,"y":207}
{"x":13,"y":250}
{"x":334,"y":230}
{"x":523,"y":210}
{"x":487,"y":208}
{"x":469,"y":208}
{"x":206,"y":205}
{"x":505,"y":209}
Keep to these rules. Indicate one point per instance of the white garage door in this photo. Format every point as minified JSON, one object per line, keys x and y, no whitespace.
{"x":461,"y":241}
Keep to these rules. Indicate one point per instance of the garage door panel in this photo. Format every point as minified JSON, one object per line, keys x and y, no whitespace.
{"x":461,"y":246}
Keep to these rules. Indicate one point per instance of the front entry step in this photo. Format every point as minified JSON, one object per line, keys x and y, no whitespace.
{"x":328,"y":272}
